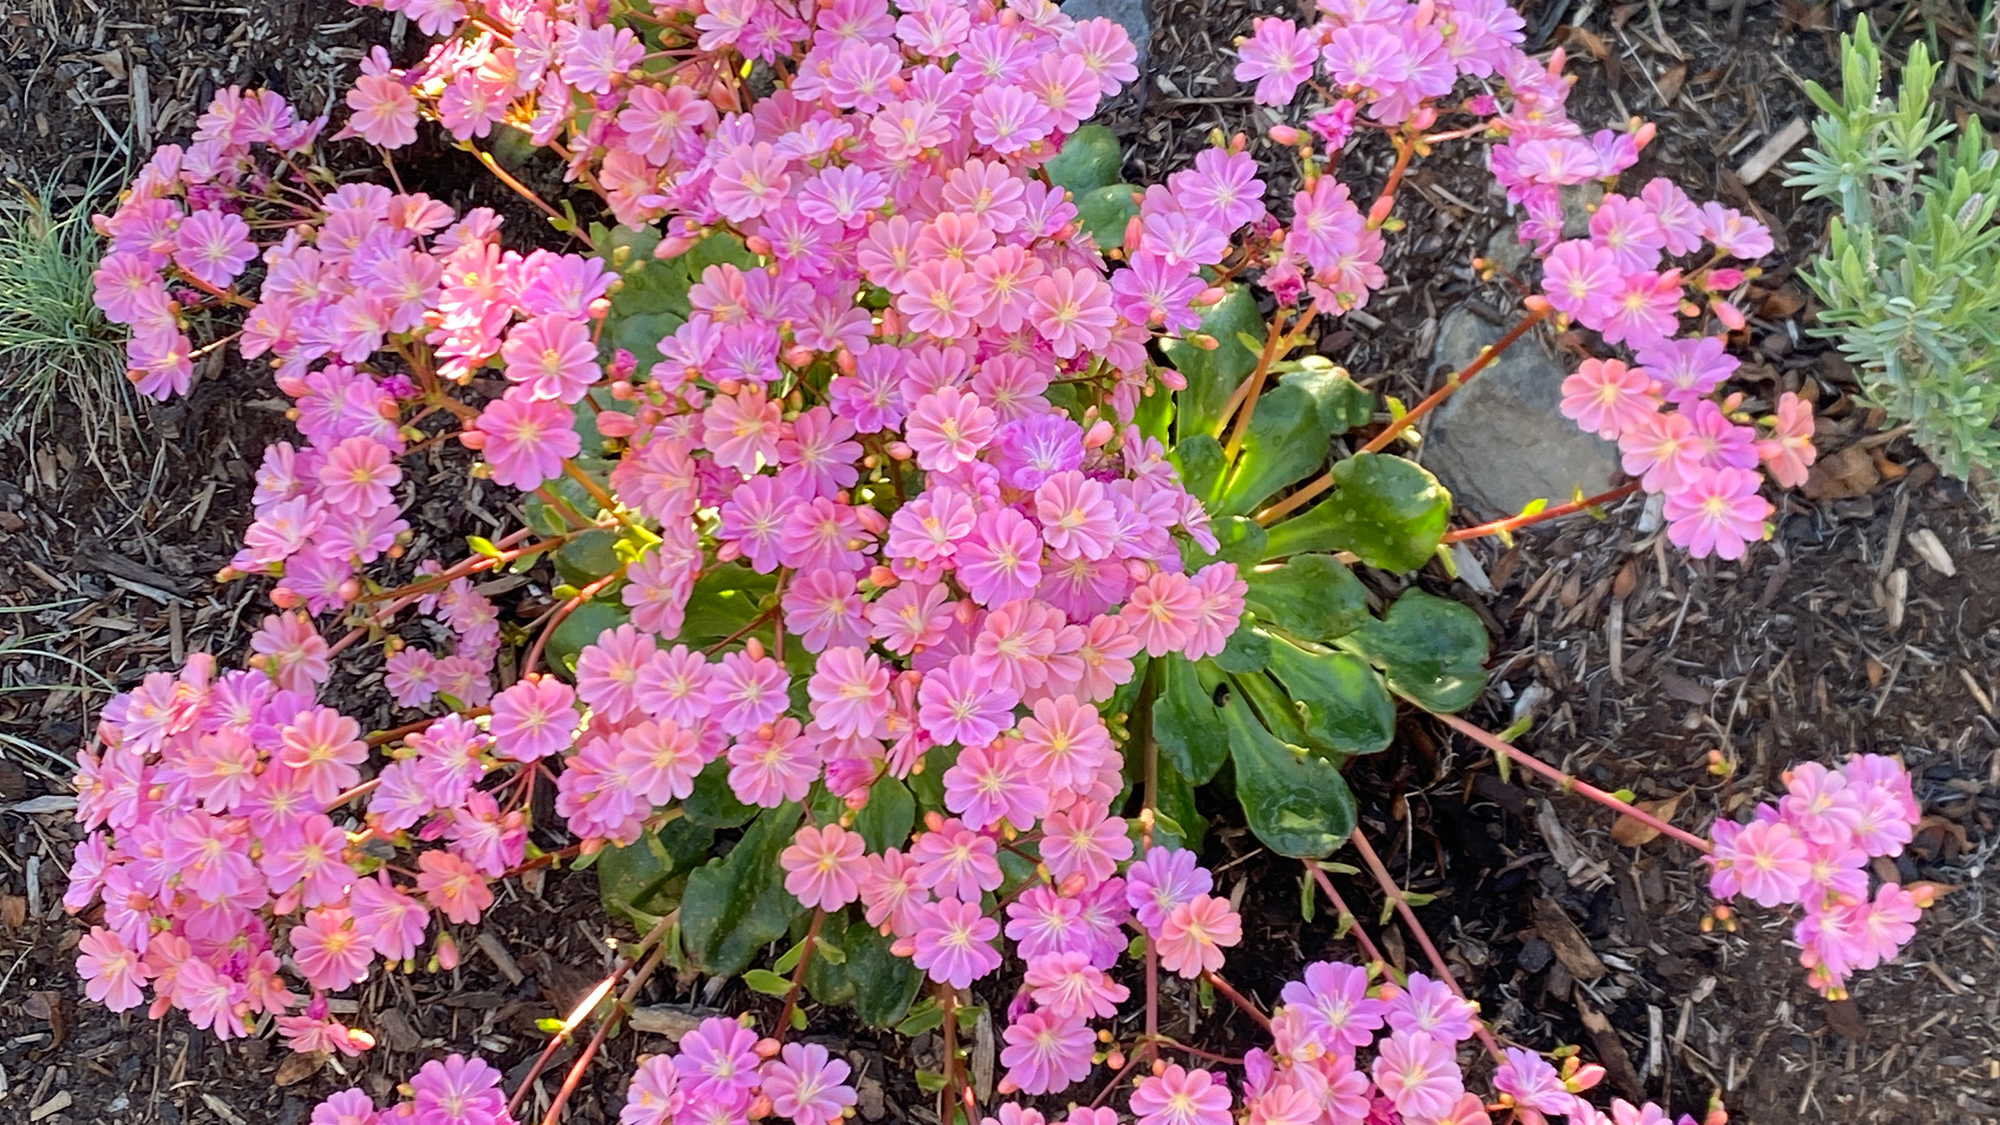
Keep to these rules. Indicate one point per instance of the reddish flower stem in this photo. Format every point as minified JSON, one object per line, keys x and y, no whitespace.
{"x":1431,"y":954}
{"x":582,"y":1012}
{"x":575,"y":1076}
{"x":1238,"y":999}
{"x":1352,"y":919}
{"x":562,"y":614}
{"x":1515,"y":523}
{"x":1584,"y":789}
{"x":384,"y":737}
{"x":799,"y":974}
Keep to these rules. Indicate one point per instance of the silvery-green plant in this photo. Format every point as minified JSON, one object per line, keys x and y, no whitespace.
{"x":1910,"y":279}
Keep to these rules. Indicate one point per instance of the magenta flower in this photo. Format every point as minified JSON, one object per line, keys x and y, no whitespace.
{"x":1177,"y":1096}
{"x":526,"y":441}
{"x":1532,"y":1082}
{"x":1579,"y":277}
{"x":1688,"y":369}
{"x":1336,"y":1010}
{"x":458,"y":1091}
{"x":1420,"y":1075}
{"x":330,"y":951}
{"x":1046,"y":1053}
{"x":1607,"y":398}
{"x":953,"y":942}
{"x":393,"y":921}
{"x":821,"y":866}
{"x":1430,"y":1007}
{"x":1630,"y":229}
{"x":655,"y":1095}
{"x":718,"y":1061}
{"x":1278,"y":57}
{"x":1641,"y":310}
{"x":348,"y":1107}
{"x":961,"y":704}
{"x":750,"y":181}
{"x":1717,"y":512}
{"x":213,"y":247}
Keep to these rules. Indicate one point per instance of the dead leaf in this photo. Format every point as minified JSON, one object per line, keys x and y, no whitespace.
{"x":14,"y":911}
{"x":1779,"y":303}
{"x":1804,"y":16}
{"x":1633,"y":833}
{"x":1599,"y":50}
{"x":298,"y":1067}
{"x":1844,"y":1018}
{"x":1671,"y":82}
{"x":1849,"y":473}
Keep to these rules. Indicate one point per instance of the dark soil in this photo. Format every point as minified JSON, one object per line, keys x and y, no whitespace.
{"x":1561,"y":933}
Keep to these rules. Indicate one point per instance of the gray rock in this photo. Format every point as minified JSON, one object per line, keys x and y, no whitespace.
{"x":1134,"y":16}
{"x":1501,"y":442}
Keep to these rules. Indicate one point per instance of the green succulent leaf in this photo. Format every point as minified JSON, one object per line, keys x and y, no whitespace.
{"x":884,"y":984}
{"x":1248,"y":650}
{"x":588,"y":557}
{"x":1238,"y":540}
{"x":1105,"y":212}
{"x":1343,"y":404}
{"x":737,"y":904}
{"x":1297,"y":803}
{"x":1185,"y":723}
{"x":713,"y":803}
{"x":640,"y":881}
{"x":1311,"y":596}
{"x":1090,"y":159}
{"x":1430,"y":648}
{"x":1179,"y":825}
{"x":885,"y":821}
{"x":724,"y":600}
{"x":583,"y":627}
{"x":1212,"y":376}
{"x":1347,"y":708}
{"x":1285,"y":442}
{"x":1388,"y":510}
{"x":1201,"y":465}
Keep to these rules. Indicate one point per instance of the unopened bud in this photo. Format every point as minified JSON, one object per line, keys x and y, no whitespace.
{"x":284,"y":597}
{"x":1099,"y":435}
{"x":447,"y":952}
{"x":758,"y":244}
{"x":798,"y":355}
{"x":1283,"y":134}
{"x":617,"y":424}
{"x":600,"y":307}
{"x":754,"y":648}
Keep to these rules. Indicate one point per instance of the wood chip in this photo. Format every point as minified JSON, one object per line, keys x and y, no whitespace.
{"x":221,"y":1109}
{"x":298,"y":1067}
{"x":1610,"y":1049}
{"x":664,"y":1019}
{"x":496,"y":952}
{"x":1928,"y":547}
{"x":53,"y":1106}
{"x":1571,"y":947}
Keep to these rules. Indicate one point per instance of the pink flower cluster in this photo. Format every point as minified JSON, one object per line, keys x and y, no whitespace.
{"x":1812,"y":849}
{"x":451,"y":1091}
{"x":724,"y":1072}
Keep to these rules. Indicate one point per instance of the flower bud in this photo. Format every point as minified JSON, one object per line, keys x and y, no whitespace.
{"x":754,"y":648}
{"x":1099,"y":435}
{"x":349,"y":590}
{"x":447,"y":952}
{"x":881,"y":577}
{"x":766,"y":1048}
{"x":472,"y":439}
{"x":284,"y":598}
{"x":900,"y":451}
{"x":1283,"y":134}
{"x":600,"y":307}
{"x":758,"y":244}
{"x":1728,"y":314}
{"x":617,"y":424}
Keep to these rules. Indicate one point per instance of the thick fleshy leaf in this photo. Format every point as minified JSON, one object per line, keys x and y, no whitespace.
{"x":1200,"y":463}
{"x":1284,"y":444}
{"x":1282,"y":715}
{"x":1106,"y":211}
{"x":1346,"y":708}
{"x":1212,"y":376}
{"x":588,"y":557}
{"x":884,"y":984}
{"x":1237,"y":539}
{"x":1315,"y":597}
{"x":1185,"y":724}
{"x":581,"y":628}
{"x":1388,"y":510}
{"x":1297,"y":803}
{"x":735,"y":905}
{"x":827,"y":978}
{"x":713,"y":803}
{"x":1090,"y":159}
{"x":1248,"y":650}
{"x":643,"y":880}
{"x":1180,"y":825}
{"x":1429,"y":648}
{"x":1343,"y":404}
{"x":725,"y":599}
{"x":885,"y":821}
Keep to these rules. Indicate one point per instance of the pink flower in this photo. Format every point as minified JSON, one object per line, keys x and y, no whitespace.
{"x":1220,"y":612}
{"x":551,"y":357}
{"x":331,"y":952}
{"x":385,"y":112}
{"x":807,"y":1085}
{"x":1717,"y":512}
{"x":393,"y":921}
{"x":113,"y":975}
{"x":948,"y":429}
{"x":655,"y":1095}
{"x":1001,"y":561}
{"x":1334,"y":1003}
{"x":1607,"y":398}
{"x":747,"y":691}
{"x":1278,"y":57}
{"x":953,"y":943}
{"x":348,"y":1107}
{"x":1579,"y":278}
{"x":213,"y":247}
{"x":750,"y":181}
{"x":594,"y":58}
{"x":1195,"y":934}
{"x":1631,"y":231}
{"x":956,"y":861}
{"x":991,"y":784}
{"x":453,"y":886}
{"x":1008,"y":119}
{"x":961,"y":704}
{"x":534,"y":718}
{"x":718,"y":1061}
{"x":1076,"y":515}
{"x":458,"y":1091}
{"x":1161,"y":613}
{"x":1046,"y":1053}
{"x":1083,"y":840}
{"x":1733,"y":233}
{"x":1419,"y":1074}
{"x":742,"y":431}
{"x":1532,"y":1082}
{"x":1763,"y":860}
{"x":1430,"y":1007}
{"x":1789,"y":452}
{"x":1072,"y":310}
{"x":324,"y":748}
{"x":659,"y":760}
{"x":1177,"y":1096}
{"x":1368,"y":56}
{"x":821,"y":866}
{"x":1688,"y":369}
{"x":1641,"y":310}
{"x":1069,"y":986}
{"x":526,"y":441}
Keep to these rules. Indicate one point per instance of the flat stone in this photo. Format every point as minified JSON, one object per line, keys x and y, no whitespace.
{"x":1501,"y":442}
{"x":1133,"y":15}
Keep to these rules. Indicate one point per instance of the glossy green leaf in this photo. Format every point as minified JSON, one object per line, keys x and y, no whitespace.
{"x":713,"y":803}
{"x":1284,"y":444}
{"x":725,"y":599}
{"x":1200,"y":463}
{"x":827,"y":978}
{"x":1388,"y":510}
{"x":767,"y":982}
{"x":582,"y":627}
{"x":1346,"y":707}
{"x":1212,"y":376}
{"x":1342,"y":403}
{"x":885,"y":821}
{"x":1090,"y":159}
{"x":641,"y":881}
{"x":1185,"y":723}
{"x":1237,"y":539}
{"x":1179,"y":824}
{"x":1315,"y":597}
{"x":1282,"y":714}
{"x":1106,"y":211}
{"x":884,"y":984}
{"x":588,"y":557}
{"x":546,"y":518}
{"x":1297,"y":803}
{"x":1248,"y":650}
{"x":1429,"y":648}
{"x":735,"y":905}
{"x":1154,"y":415}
